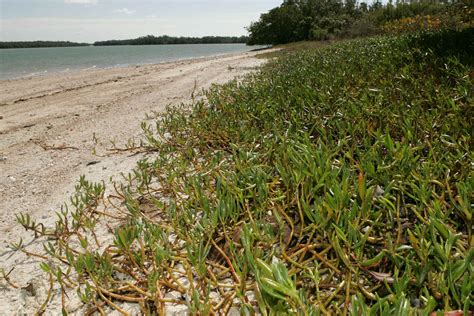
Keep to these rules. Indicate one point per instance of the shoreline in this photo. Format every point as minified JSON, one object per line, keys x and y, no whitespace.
{"x":69,"y":78}
{"x":95,"y":67}
{"x":56,"y":128}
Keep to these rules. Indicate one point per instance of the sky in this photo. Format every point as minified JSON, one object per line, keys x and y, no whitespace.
{"x":96,"y":20}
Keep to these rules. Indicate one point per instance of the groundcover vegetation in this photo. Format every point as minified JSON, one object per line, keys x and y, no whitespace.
{"x":333,"y":181}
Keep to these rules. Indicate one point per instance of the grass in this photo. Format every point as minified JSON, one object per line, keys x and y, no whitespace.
{"x":335,"y":180}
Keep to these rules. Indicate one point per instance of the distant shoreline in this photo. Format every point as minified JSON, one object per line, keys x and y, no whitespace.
{"x":92,"y":45}
{"x":144,"y":40}
{"x":40,"y":44}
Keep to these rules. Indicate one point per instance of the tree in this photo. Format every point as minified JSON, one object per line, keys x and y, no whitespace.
{"x":297,"y":20}
{"x":280,"y":25}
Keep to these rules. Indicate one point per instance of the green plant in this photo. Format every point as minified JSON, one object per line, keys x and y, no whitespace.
{"x":336,"y":180}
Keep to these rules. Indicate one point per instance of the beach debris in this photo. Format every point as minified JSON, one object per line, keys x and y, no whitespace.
{"x":29,"y":289}
{"x":3,"y":158}
{"x":378,"y":192}
{"x":167,"y":136}
{"x":20,"y":100}
{"x":52,"y":147}
{"x":92,"y":163}
{"x":382,"y":277}
{"x":415,"y":302}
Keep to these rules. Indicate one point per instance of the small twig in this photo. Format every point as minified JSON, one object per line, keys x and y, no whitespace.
{"x":49,"y":147}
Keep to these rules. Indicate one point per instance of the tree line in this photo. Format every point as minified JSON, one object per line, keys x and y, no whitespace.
{"x":300,"y":20}
{"x":144,"y":40}
{"x":163,"y":40}
{"x":37,"y":44}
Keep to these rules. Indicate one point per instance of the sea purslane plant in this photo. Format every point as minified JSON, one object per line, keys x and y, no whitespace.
{"x":332,"y":181}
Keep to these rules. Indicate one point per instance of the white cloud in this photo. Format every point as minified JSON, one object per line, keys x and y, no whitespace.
{"x":81,"y":1}
{"x":125,"y":11}
{"x":84,"y":30}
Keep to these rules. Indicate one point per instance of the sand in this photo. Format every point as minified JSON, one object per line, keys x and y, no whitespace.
{"x":49,"y":129}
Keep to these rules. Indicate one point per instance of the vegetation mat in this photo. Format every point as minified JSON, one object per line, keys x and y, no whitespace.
{"x":333,"y":181}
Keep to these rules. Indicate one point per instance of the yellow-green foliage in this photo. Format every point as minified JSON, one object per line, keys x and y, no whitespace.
{"x":425,"y":23}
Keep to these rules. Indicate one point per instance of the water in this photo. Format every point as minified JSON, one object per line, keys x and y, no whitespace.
{"x":24,"y":62}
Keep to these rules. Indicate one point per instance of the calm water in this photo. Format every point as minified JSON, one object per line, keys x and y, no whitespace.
{"x":15,"y":63}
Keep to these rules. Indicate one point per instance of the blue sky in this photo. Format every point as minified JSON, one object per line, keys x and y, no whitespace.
{"x":93,"y":20}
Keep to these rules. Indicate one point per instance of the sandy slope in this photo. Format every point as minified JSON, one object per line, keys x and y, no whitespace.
{"x":47,"y":130}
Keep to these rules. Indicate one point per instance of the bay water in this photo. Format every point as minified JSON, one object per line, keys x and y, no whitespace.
{"x":25,"y":62}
